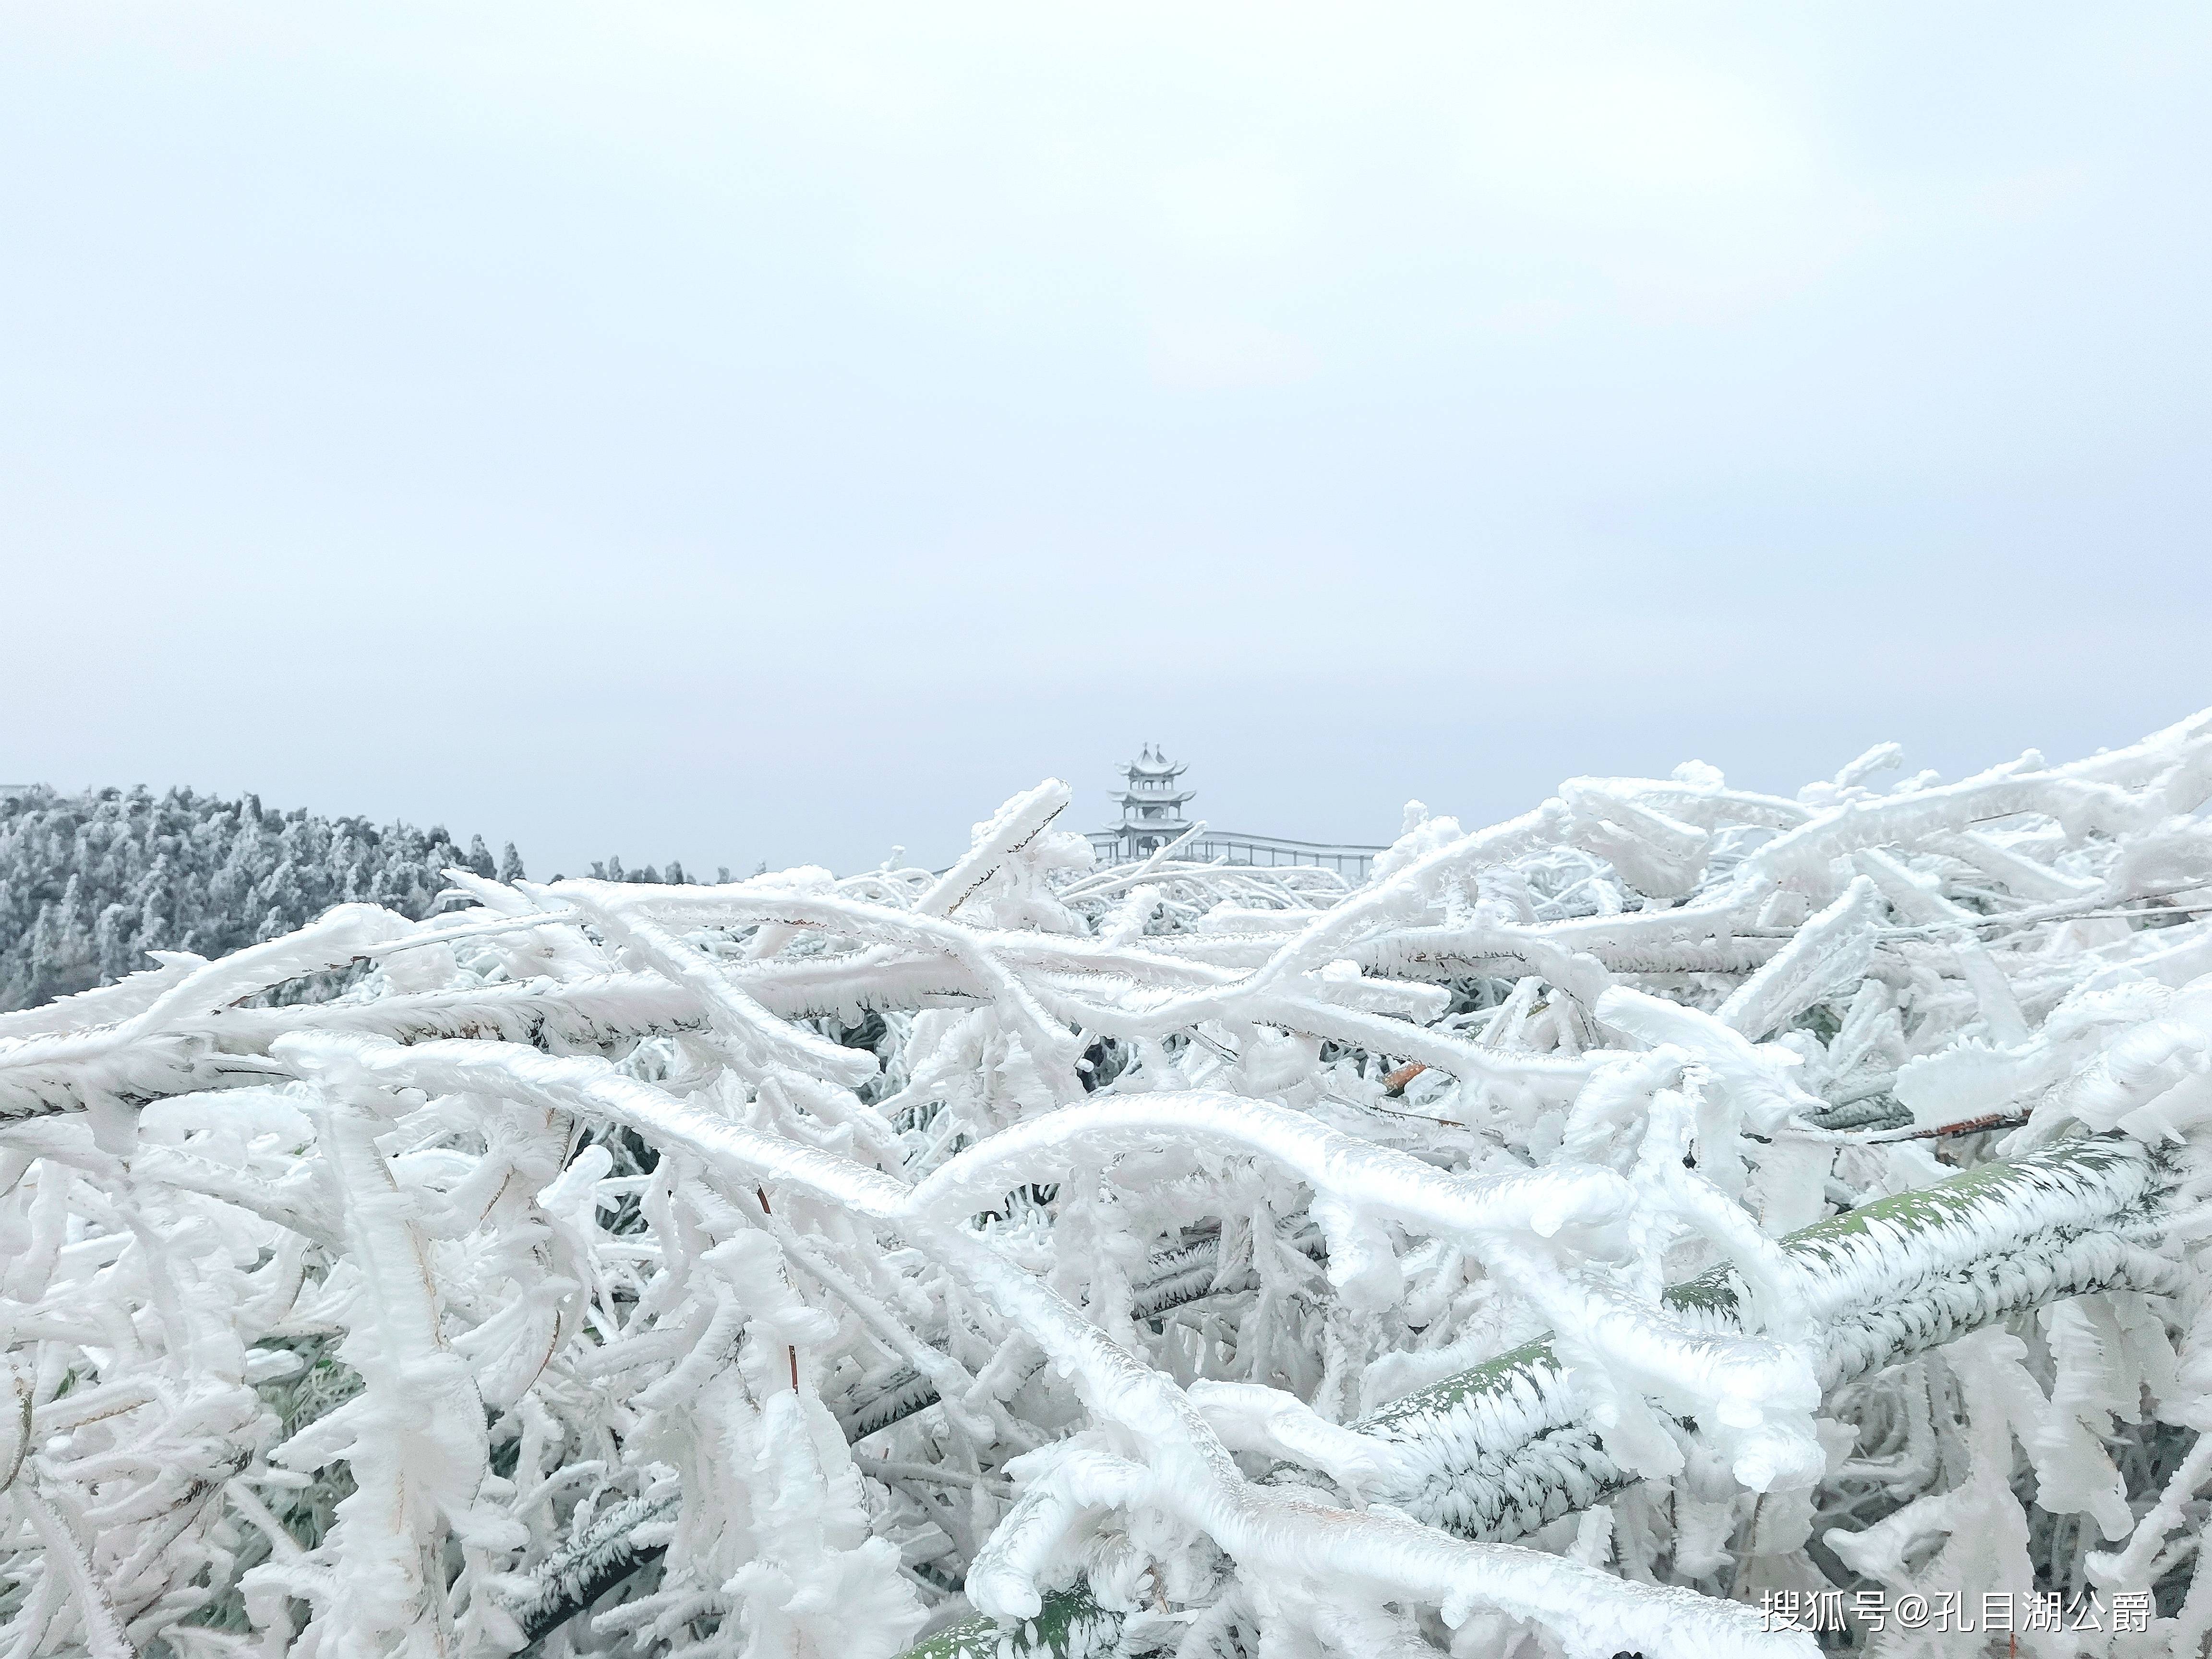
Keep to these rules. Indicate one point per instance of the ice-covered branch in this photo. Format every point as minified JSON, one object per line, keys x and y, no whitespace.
{"x":1187,"y":1257}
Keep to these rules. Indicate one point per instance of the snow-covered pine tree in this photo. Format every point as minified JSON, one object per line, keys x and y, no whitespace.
{"x":1651,"y":1224}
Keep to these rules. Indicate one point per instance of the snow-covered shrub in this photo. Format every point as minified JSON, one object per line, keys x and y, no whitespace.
{"x":1614,"y":1230}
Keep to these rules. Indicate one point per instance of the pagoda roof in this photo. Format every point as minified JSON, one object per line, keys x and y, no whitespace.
{"x":1152,"y":763}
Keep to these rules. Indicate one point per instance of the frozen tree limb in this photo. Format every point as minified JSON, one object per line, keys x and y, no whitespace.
{"x":1183,"y":1252}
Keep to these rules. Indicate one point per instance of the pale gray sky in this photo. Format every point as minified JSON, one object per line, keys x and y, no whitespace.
{"x":775,"y":432}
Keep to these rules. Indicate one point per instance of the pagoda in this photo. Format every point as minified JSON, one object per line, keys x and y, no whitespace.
{"x":1151,"y":806}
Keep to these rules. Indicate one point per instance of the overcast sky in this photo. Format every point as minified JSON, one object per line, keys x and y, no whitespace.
{"x":774,"y":433}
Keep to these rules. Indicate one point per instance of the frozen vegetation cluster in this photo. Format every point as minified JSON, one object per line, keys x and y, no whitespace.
{"x":1591,"y":1235}
{"x":92,"y":883}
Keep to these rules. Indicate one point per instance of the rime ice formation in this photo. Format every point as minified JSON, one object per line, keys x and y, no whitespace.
{"x":1582,"y":1232}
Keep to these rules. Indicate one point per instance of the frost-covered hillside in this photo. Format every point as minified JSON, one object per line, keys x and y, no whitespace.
{"x":1677,"y":1220}
{"x":91,"y":883}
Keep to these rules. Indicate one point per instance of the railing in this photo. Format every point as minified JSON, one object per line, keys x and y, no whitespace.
{"x":1207,"y":845}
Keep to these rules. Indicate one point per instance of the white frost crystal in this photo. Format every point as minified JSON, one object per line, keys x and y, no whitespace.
{"x":1588,"y":1227}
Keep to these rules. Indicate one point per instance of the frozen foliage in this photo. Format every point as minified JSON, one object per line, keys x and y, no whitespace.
{"x":1673,"y":1197}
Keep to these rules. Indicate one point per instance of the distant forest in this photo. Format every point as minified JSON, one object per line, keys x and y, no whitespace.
{"x":90,"y":883}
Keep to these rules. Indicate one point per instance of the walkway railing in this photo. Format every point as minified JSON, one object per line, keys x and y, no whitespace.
{"x":1346,"y":859}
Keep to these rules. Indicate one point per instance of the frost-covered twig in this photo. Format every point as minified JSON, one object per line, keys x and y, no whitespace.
{"x":540,"y":1273}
